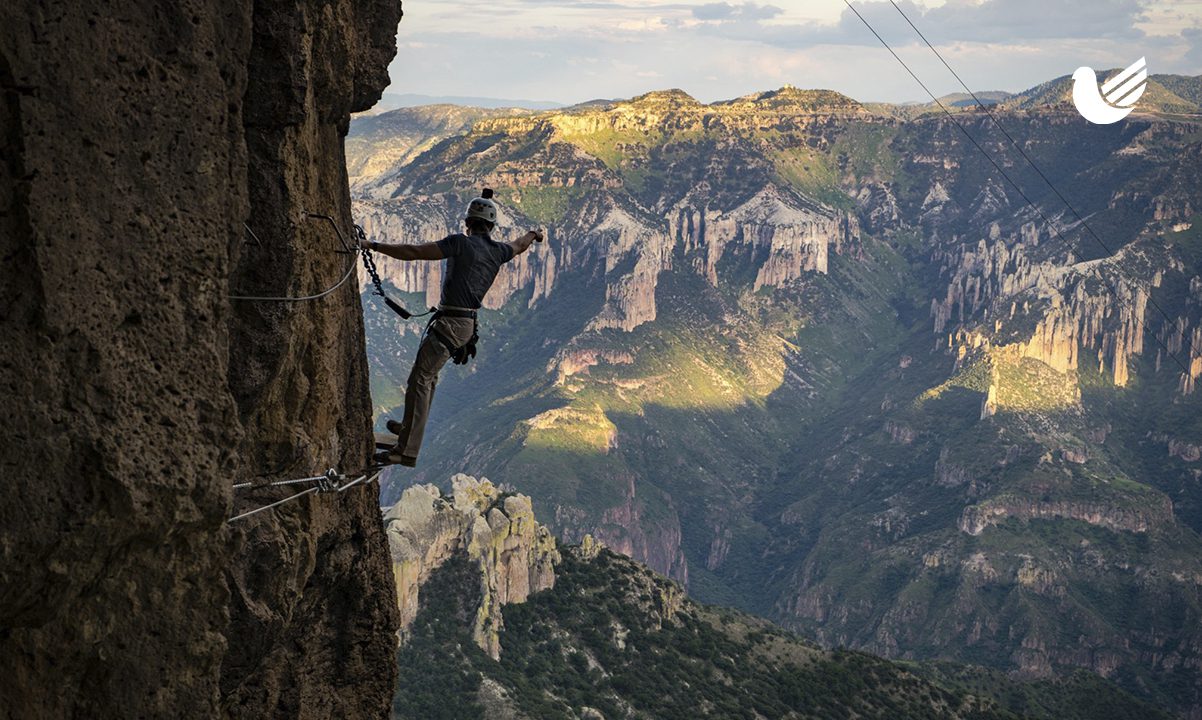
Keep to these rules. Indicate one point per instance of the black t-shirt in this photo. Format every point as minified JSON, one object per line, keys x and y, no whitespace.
{"x":472,"y":264}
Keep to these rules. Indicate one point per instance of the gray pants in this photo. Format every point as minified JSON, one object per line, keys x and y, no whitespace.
{"x":419,"y":392}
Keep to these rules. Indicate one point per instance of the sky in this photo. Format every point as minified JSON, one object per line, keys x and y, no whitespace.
{"x":570,"y":51}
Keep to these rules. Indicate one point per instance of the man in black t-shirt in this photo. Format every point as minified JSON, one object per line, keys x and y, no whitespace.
{"x":473,"y":260}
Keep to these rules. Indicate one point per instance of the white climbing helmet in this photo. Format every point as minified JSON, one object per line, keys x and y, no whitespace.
{"x":483,"y":207}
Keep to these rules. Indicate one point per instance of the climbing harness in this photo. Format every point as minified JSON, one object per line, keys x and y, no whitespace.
{"x":460,"y":354}
{"x":330,"y":482}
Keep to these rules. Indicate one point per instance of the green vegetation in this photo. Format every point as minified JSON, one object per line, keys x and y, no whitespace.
{"x":545,"y":205}
{"x":436,"y":679}
{"x":1078,"y":696}
{"x":613,"y":637}
{"x":812,"y":173}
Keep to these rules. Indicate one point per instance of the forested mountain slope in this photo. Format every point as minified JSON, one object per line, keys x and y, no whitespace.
{"x":823,"y":363}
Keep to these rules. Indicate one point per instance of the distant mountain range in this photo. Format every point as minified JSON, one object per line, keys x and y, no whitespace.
{"x":817,"y":360}
{"x":378,"y":145}
{"x":401,"y":126}
{"x":394,"y":101}
{"x":1165,"y":94}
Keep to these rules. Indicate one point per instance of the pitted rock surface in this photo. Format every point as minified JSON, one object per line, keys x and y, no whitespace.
{"x":137,"y":139}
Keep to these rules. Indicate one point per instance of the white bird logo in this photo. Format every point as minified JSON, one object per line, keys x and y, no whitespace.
{"x":1117,"y":97}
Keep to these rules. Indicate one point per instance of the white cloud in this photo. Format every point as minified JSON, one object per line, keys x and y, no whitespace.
{"x":1193,"y":50}
{"x":577,"y":50}
{"x":726,"y":12}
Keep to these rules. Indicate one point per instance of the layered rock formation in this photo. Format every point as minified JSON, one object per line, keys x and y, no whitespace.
{"x":382,"y":143}
{"x":787,"y":234}
{"x":427,"y":219}
{"x":514,"y":554}
{"x":976,"y":518}
{"x":792,"y":236}
{"x":137,"y":140}
{"x":997,"y":282}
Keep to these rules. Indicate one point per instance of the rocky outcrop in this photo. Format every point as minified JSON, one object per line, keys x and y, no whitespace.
{"x":1131,"y":518}
{"x":573,"y":361}
{"x":515,"y":555}
{"x":1187,"y":451}
{"x":793,"y":236}
{"x":1072,"y":306}
{"x":634,"y":253}
{"x":137,"y":141}
{"x":1186,"y":345}
{"x":948,"y":473}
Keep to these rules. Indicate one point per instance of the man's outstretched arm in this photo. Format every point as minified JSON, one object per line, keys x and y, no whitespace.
{"x":522,"y":244}
{"x":401,"y":251}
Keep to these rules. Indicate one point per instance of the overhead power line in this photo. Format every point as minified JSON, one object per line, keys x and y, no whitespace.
{"x":998,"y":124}
{"x":1030,"y":203}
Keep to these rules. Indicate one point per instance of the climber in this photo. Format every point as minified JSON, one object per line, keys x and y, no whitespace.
{"x":473,"y":260}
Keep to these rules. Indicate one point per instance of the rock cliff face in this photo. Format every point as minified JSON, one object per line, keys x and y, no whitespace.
{"x":137,"y":140}
{"x":310,"y":579}
{"x":976,"y":518}
{"x":1069,"y":313}
{"x":514,"y":554}
{"x":1067,"y":295}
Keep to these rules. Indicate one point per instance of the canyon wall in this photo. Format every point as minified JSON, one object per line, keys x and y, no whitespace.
{"x":785,"y":236}
{"x":626,"y":219}
{"x":138,"y":138}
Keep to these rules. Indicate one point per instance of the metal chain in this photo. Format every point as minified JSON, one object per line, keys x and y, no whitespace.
{"x":332,"y":480}
{"x":369,"y":262}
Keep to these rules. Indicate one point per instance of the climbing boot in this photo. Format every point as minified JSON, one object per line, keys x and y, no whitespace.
{"x":395,"y":457}
{"x":394,"y":427}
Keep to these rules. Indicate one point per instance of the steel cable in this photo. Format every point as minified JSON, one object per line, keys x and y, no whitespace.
{"x":1003,"y":173}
